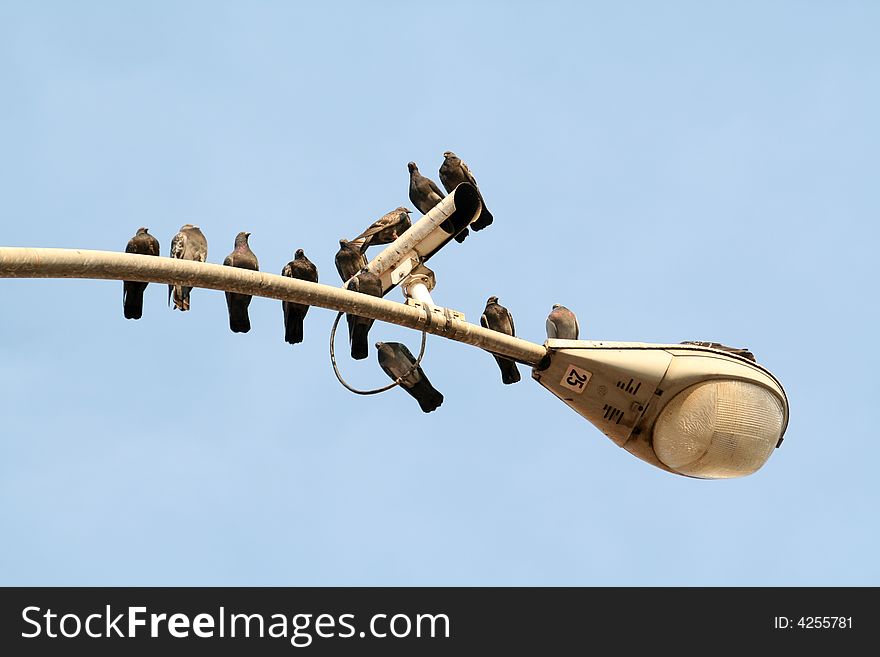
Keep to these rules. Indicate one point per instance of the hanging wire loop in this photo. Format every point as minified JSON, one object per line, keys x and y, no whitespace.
{"x":375,"y":391}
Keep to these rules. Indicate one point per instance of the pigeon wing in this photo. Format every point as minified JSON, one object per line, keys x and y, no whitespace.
{"x":178,"y":245}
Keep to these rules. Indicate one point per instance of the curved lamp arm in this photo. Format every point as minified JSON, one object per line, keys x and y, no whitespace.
{"x":79,"y":263}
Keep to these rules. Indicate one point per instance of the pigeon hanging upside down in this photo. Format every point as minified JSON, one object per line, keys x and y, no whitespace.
{"x":294,"y":313}
{"x":562,"y":324}
{"x":350,"y":258}
{"x":497,"y":318}
{"x":133,"y":291}
{"x":453,"y":172}
{"x":188,"y":244}
{"x":237,"y":304}
{"x":359,"y":327}
{"x":387,"y":228}
{"x":397,"y":361}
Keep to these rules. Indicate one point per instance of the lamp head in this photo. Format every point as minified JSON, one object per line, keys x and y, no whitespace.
{"x":691,"y":410}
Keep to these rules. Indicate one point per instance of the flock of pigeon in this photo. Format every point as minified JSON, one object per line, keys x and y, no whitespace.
{"x":351,"y":262}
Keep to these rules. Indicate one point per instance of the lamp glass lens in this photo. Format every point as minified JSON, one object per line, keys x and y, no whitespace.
{"x":719,"y":429}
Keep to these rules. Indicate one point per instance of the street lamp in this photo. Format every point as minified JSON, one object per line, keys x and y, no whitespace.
{"x":690,"y":410}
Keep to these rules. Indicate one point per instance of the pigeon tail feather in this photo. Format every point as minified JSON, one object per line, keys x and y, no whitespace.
{"x":133,"y":299}
{"x":293,"y":330}
{"x":239,"y":323}
{"x":429,"y":398}
{"x":484,"y":220}
{"x":359,"y":346}
{"x":509,"y":371}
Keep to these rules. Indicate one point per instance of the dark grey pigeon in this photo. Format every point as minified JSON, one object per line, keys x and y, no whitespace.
{"x":237,"y":304}
{"x":294,"y":313}
{"x":188,"y":244}
{"x":398,"y":361}
{"x":387,"y":228}
{"x":453,"y":172}
{"x":359,"y":327}
{"x":424,"y":194}
{"x":350,"y":258}
{"x":497,"y":318}
{"x":562,"y":324}
{"x":745,"y":353}
{"x":133,"y":291}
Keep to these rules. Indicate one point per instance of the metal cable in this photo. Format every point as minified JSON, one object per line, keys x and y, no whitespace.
{"x":376,"y":391}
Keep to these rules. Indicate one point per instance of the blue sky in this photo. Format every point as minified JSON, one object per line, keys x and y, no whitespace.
{"x":671,"y":171}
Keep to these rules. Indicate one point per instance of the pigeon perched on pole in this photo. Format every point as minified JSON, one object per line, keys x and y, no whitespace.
{"x":387,"y":228}
{"x":497,"y":318}
{"x":424,"y":194}
{"x":188,"y":244}
{"x":453,"y":172}
{"x":294,"y":313}
{"x":133,"y":291}
{"x":350,"y":258}
{"x":237,"y":304}
{"x":359,"y":327}
{"x":562,"y":324}
{"x":397,"y":361}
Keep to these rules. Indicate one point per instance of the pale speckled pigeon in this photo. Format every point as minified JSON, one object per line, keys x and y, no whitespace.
{"x":188,"y":244}
{"x":387,"y":228}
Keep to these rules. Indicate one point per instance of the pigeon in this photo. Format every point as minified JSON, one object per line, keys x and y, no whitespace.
{"x":294,"y":313}
{"x":237,"y":304}
{"x":424,"y":194}
{"x":188,"y":244}
{"x":397,"y":361}
{"x":745,"y":353}
{"x":365,"y":282}
{"x":133,"y":291}
{"x":497,"y":318}
{"x":562,"y":324}
{"x":387,"y":228}
{"x":453,"y":172}
{"x":350,"y":258}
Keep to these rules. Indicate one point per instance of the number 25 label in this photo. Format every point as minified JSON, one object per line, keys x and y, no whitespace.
{"x":575,"y":379}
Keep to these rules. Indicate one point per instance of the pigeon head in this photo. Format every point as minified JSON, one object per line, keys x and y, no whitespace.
{"x":492,"y":300}
{"x":300,"y":253}
{"x":448,"y":154}
{"x":379,"y":345}
{"x":241,"y":238}
{"x":557,"y":305}
{"x":187,"y":227}
{"x":142,"y":230}
{"x":412,"y":167}
{"x":403,"y":209}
